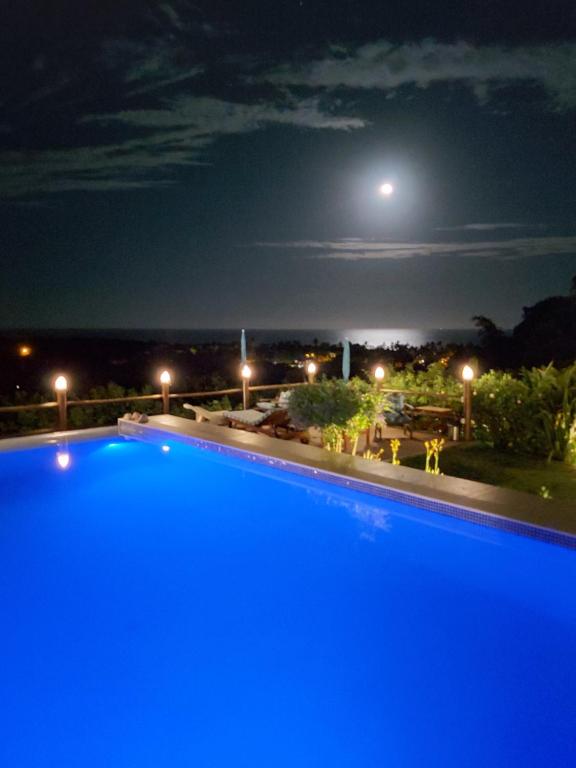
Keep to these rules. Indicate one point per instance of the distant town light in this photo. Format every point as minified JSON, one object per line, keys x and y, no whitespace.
{"x":61,"y":384}
{"x":165,"y":377}
{"x":379,"y":373}
{"x":246,"y":372}
{"x":24,"y":350}
{"x":63,"y":459}
{"x":467,"y":373}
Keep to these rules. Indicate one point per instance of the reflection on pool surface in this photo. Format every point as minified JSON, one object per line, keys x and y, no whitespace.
{"x":181,"y":608}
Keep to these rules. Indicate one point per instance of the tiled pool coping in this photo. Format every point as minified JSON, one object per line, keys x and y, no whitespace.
{"x":486,"y":505}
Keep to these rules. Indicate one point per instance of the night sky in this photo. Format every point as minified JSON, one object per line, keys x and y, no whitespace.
{"x":216,"y":164}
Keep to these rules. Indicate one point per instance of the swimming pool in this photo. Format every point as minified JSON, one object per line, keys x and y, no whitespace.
{"x":164,"y":605}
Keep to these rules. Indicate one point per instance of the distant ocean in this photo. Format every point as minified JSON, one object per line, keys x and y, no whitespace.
{"x":373,"y":337}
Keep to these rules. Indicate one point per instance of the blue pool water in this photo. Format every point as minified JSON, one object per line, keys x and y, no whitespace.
{"x":183,"y":609}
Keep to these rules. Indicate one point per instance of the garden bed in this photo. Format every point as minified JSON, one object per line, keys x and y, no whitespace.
{"x":507,"y":470}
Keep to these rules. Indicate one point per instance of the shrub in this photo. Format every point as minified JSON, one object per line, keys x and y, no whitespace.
{"x":435,"y":380}
{"x":553,"y":393}
{"x":534,"y":413}
{"x":330,"y":402}
{"x":330,"y":405}
{"x":339,"y":409}
{"x":502,"y":418}
{"x":371,"y":402}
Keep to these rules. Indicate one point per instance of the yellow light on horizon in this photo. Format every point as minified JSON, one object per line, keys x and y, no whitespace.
{"x":24,"y":350}
{"x":61,"y":384}
{"x":386,"y":189}
{"x":467,"y":373}
{"x":165,"y":377}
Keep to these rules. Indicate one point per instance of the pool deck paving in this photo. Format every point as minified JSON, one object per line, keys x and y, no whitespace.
{"x":463,"y":494}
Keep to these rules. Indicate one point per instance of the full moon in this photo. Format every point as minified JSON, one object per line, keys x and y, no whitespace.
{"x":386,"y":189}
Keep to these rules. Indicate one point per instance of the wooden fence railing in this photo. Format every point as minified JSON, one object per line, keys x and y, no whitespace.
{"x":70,"y":403}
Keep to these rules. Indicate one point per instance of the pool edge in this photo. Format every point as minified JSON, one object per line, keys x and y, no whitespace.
{"x":444,"y":495}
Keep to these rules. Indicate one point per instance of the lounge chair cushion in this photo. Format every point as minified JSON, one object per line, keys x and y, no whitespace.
{"x":266,"y":405}
{"x":284,"y":398}
{"x":251,"y":417}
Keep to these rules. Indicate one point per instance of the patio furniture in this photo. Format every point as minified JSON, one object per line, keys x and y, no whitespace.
{"x":203,"y":414}
{"x":399,"y":414}
{"x":435,"y":416}
{"x":252,"y":420}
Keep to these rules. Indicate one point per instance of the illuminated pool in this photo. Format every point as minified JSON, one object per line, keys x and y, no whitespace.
{"x":167,"y":606}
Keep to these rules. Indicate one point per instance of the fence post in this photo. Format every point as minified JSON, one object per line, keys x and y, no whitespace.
{"x":467,"y":376}
{"x":165,"y":381}
{"x":246,"y":372}
{"x":311,"y":371}
{"x":61,"y":388}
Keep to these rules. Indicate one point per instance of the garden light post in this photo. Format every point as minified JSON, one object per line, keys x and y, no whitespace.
{"x":311,"y":371}
{"x":379,"y":374}
{"x":376,"y":428}
{"x":246,"y":373}
{"x":61,"y":389}
{"x":165,"y":381}
{"x":467,"y":377}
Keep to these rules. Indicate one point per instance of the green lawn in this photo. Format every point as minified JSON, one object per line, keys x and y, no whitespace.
{"x":508,"y":470}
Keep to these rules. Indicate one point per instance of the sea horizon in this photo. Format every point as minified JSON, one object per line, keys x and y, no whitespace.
{"x":371,"y":337}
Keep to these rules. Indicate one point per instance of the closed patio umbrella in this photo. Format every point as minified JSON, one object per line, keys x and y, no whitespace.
{"x":346,"y":360}
{"x":243,"y":346}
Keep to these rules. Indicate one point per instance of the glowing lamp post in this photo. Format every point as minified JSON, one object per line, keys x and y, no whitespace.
{"x":165,"y":381}
{"x":246,"y":373}
{"x":311,"y":371}
{"x":467,"y":377}
{"x":61,"y":389}
{"x":379,"y":374}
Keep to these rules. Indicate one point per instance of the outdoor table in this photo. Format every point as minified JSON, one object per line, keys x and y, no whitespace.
{"x":434,"y":413}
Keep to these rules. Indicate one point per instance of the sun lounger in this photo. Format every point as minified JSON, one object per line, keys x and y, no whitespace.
{"x":203,"y":414}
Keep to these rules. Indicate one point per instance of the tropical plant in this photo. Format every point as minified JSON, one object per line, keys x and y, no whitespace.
{"x":500,"y":412}
{"x":342,"y":410}
{"x":372,"y":401}
{"x":330,"y":405}
{"x":373,"y":455}
{"x":429,"y":383}
{"x":81,"y":417}
{"x":554,"y":401}
{"x":534,"y":413}
{"x":433,"y":451}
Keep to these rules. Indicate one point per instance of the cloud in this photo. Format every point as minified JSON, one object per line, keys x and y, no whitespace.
{"x":357,"y":250}
{"x":150,"y":66}
{"x":158,"y":85}
{"x":145,"y":146}
{"x":488,"y":227}
{"x":385,"y":66}
{"x":204,"y":115}
{"x":173,"y":16}
{"x":133,"y":164}
{"x":177,"y":136}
